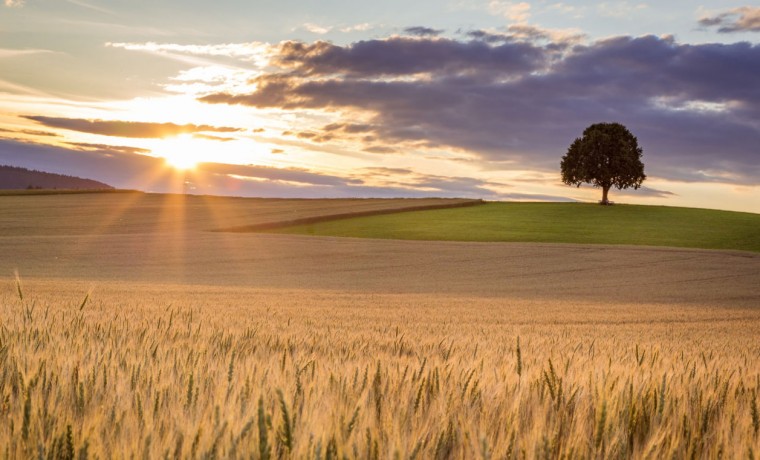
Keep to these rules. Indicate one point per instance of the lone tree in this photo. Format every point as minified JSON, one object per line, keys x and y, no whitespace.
{"x":607,"y":155}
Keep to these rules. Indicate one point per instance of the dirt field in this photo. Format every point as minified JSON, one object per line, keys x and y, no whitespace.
{"x":195,"y":343}
{"x":165,"y":239}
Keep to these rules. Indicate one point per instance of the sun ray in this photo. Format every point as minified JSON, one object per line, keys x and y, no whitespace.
{"x":108,"y":222}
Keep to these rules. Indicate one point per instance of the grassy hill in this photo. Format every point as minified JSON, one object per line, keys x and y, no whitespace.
{"x":557,"y":223}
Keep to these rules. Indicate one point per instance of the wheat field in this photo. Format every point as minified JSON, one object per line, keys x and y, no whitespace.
{"x":141,"y":334}
{"x":149,"y":371}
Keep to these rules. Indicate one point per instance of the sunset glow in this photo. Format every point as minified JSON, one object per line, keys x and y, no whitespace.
{"x":184,"y":152}
{"x":476,"y":100}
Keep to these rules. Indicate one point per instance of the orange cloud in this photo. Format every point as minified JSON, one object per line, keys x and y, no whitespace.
{"x":135,"y":129}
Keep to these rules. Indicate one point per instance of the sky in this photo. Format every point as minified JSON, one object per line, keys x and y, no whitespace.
{"x":339,"y":98}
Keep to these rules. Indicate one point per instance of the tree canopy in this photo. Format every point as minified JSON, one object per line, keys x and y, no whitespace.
{"x":606,"y":156}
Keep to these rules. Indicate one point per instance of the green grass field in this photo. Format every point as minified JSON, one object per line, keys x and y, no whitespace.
{"x":557,"y":223}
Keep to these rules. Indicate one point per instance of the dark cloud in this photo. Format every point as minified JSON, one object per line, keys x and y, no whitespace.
{"x":380,"y":149}
{"x":133,"y":129}
{"x":489,"y":36}
{"x":397,"y":56}
{"x":694,"y":108}
{"x":711,"y":21}
{"x":645,"y":191}
{"x":525,"y":32}
{"x":313,"y":136}
{"x":351,"y":128}
{"x":437,"y":185}
{"x":31,"y":132}
{"x":744,"y":19}
{"x":454,"y":186}
{"x":421,"y":31}
{"x":333,"y":131}
{"x":107,"y":149}
{"x":528,"y":31}
{"x":290,"y":175}
{"x":432,"y":185}
{"x":382,"y":171}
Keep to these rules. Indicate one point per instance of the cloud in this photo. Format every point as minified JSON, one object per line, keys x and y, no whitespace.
{"x":693,"y":107}
{"x":514,"y":11}
{"x":352,"y":128}
{"x":453,"y":186}
{"x":421,"y":31}
{"x":30,"y":132}
{"x":383,"y":171}
{"x":107,"y":149}
{"x":311,"y":136}
{"x":489,"y":36}
{"x":214,"y":138}
{"x":362,"y":27}
{"x":111,"y":28}
{"x":10,"y":53}
{"x":134,"y":129}
{"x":288,"y":175}
{"x":113,"y":166}
{"x":574,"y":11}
{"x":92,"y":7}
{"x":254,"y":51}
{"x":14,"y":3}
{"x":316,"y":29}
{"x":558,"y":38}
{"x":120,"y":167}
{"x":743,"y":19}
{"x":648,"y":191}
{"x":436,"y":185}
{"x":380,"y":149}
{"x":645,"y":191}
{"x":398,"y":56}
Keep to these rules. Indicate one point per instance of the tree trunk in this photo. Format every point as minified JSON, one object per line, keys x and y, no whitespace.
{"x":605,"y":190}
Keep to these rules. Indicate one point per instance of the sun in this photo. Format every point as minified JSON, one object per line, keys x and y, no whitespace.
{"x":183,"y":152}
{"x":180,"y":162}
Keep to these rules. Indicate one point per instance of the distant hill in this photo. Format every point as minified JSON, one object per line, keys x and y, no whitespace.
{"x":15,"y":178}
